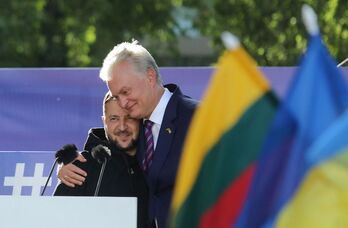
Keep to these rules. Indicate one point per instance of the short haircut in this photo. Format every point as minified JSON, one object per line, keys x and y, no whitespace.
{"x":134,"y":54}
{"x":108,"y":97}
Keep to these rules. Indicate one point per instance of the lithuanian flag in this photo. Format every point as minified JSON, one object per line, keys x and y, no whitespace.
{"x":222,"y":145}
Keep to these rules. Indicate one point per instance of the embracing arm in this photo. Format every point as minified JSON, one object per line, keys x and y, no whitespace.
{"x":72,"y":175}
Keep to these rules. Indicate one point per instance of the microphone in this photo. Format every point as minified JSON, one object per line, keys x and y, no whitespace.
{"x":101,"y":154}
{"x":65,"y":155}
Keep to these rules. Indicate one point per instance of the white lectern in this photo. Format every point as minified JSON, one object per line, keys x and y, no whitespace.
{"x":66,"y":212}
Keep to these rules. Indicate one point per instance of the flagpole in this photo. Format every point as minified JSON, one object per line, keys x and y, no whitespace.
{"x":310,"y":20}
{"x":230,"y":41}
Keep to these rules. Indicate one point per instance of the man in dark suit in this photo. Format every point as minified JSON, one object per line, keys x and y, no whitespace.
{"x":133,"y":79}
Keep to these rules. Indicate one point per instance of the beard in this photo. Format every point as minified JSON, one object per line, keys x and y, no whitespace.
{"x":131,"y":146}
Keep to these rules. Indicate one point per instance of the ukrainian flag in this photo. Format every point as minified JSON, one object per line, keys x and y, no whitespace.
{"x":322,"y":198}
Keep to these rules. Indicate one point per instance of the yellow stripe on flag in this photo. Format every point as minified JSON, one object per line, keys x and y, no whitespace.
{"x":236,"y":85}
{"x":322,"y":200}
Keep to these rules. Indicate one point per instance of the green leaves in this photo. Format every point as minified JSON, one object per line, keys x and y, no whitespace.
{"x":272,"y":31}
{"x":63,"y":33}
{"x":77,"y":33}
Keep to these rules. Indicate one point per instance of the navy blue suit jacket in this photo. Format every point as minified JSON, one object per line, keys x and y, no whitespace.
{"x":162,"y":172}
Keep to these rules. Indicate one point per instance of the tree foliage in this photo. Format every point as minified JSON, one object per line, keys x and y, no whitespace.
{"x":49,"y":33}
{"x":78,"y":33}
{"x":272,"y":31}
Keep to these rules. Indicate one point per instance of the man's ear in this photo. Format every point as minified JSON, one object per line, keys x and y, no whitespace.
{"x":151,"y":75}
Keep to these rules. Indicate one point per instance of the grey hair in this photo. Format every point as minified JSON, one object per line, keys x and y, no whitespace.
{"x":133,"y":53}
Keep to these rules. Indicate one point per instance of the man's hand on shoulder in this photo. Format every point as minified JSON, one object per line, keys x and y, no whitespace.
{"x":71,"y":175}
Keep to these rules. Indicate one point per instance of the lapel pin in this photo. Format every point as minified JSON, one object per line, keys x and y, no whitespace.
{"x":168,"y":130}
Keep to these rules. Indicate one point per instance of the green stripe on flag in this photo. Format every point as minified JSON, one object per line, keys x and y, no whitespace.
{"x":237,"y":149}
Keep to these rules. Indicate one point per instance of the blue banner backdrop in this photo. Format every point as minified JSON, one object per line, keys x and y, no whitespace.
{"x":42,"y":109}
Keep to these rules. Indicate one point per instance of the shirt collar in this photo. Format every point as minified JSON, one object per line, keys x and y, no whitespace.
{"x":158,"y":113}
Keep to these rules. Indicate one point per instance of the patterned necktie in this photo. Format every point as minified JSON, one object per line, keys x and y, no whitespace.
{"x":149,"y":145}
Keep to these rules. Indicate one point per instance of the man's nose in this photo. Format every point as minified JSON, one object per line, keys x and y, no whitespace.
{"x":123,"y":125}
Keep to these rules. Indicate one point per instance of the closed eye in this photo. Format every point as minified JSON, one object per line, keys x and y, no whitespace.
{"x":125,"y":92}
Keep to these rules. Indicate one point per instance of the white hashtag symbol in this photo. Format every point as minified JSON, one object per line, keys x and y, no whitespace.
{"x":19,"y":180}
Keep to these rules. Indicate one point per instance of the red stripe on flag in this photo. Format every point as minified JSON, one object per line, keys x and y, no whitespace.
{"x":226,"y":210}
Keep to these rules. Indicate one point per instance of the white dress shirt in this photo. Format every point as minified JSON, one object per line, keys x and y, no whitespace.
{"x":158,"y":114}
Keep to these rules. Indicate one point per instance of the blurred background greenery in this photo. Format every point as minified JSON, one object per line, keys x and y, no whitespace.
{"x":79,"y":33}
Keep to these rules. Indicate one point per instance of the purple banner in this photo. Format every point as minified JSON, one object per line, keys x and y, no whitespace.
{"x":43,"y":109}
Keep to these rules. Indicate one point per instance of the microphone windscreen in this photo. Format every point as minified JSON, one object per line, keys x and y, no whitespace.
{"x":100,"y":153}
{"x":67,"y":154}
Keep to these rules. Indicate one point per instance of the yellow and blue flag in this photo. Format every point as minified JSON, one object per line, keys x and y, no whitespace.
{"x":322,"y":198}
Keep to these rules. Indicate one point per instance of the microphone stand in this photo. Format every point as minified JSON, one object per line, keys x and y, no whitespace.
{"x":49,"y":176}
{"x":100,"y":177}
